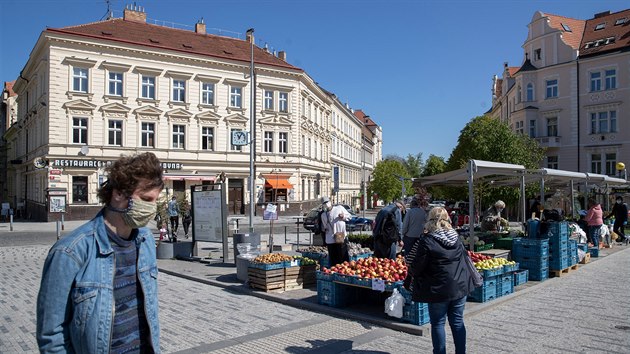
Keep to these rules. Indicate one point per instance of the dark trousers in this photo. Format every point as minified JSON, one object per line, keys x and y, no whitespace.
{"x":186,"y":225}
{"x":337,"y":252}
{"x":174,"y":223}
{"x":618,"y":228}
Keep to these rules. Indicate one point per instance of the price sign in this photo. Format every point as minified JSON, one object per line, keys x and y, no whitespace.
{"x":294,"y":263}
{"x":378,"y":285}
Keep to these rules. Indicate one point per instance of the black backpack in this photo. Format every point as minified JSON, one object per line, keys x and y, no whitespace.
{"x":317,"y":225}
{"x":389,"y":229}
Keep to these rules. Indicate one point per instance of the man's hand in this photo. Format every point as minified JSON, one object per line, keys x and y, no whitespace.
{"x":400,"y":243}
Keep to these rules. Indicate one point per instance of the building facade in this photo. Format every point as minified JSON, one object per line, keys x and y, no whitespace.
{"x":572,"y":92}
{"x":93,"y":92}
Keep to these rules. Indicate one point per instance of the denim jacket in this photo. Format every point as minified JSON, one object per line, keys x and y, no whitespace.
{"x":75,"y":305}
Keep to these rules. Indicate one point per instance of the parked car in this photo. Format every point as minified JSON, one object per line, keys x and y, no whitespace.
{"x":355,"y":223}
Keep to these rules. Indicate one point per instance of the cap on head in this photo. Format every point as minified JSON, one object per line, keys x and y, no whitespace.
{"x":325,"y":200}
{"x":174,"y":197}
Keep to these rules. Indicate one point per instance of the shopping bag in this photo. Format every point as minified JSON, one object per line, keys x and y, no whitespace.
{"x":394,"y":304}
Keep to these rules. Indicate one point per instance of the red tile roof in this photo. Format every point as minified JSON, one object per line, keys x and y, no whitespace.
{"x":8,"y":86}
{"x":512,"y":70}
{"x":620,"y":33}
{"x":572,"y":38}
{"x":159,"y":37}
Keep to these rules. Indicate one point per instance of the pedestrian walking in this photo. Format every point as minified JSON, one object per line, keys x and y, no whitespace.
{"x":387,"y":230}
{"x":173,"y":213}
{"x":620,"y":213}
{"x":334,"y":223}
{"x":98,"y":290}
{"x":164,"y":232}
{"x":186,"y":220}
{"x":413,"y":224}
{"x":594,"y":219}
{"x":438,"y":275}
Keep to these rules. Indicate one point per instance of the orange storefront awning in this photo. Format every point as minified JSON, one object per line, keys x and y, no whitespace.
{"x":278,"y":183}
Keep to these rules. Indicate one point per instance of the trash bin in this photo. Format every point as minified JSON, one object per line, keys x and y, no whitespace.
{"x":242,"y":263}
{"x":252,"y":238}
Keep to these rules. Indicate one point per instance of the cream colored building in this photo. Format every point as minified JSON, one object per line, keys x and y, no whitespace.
{"x":92,"y":92}
{"x":572,"y":92}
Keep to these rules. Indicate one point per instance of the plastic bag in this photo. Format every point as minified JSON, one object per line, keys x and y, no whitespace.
{"x":394,"y":304}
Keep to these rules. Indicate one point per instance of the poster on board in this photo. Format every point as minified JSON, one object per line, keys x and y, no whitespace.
{"x":271,"y":212}
{"x":208,"y":214}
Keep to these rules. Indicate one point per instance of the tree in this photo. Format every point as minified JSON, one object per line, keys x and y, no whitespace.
{"x":433,"y":166}
{"x":486,"y":138}
{"x":385,"y":182}
{"x":414,"y":165}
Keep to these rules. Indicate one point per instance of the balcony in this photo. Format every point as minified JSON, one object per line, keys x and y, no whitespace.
{"x":548,"y":141}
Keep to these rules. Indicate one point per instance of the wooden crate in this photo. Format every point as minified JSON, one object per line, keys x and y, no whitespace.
{"x":267,"y":280}
{"x":565,"y":271}
{"x":586,"y":259}
{"x":299,"y":277}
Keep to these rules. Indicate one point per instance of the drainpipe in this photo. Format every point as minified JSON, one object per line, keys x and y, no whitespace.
{"x":577,"y":61}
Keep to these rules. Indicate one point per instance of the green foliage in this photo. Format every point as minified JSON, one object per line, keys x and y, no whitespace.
{"x":364,"y":240}
{"x":433,"y":166}
{"x":385,"y":182}
{"x":485,"y":138}
{"x":414,"y":165}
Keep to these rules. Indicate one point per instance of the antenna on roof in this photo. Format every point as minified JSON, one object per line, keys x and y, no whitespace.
{"x":110,"y":14}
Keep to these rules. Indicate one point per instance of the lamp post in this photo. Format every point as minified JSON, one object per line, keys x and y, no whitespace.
{"x":622,"y":167}
{"x":252,"y":131}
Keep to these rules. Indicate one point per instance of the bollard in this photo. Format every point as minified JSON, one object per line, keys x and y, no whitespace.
{"x":285,"y":235}
{"x":11,"y":222}
{"x":58,"y":230}
{"x":62,"y":224}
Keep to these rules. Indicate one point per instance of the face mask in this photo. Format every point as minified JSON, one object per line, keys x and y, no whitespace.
{"x":138,"y":213}
{"x":619,"y":202}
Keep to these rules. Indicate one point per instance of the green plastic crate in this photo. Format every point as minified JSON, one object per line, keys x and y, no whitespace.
{"x":504,"y":243}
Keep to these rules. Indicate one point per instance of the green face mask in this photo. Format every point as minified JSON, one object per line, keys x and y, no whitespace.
{"x":138,"y":213}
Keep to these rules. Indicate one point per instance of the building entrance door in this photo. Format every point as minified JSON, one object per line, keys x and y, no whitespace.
{"x":235,"y":197}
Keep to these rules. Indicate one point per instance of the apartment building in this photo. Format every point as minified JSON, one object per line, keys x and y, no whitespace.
{"x":92,"y":92}
{"x":572,"y":91}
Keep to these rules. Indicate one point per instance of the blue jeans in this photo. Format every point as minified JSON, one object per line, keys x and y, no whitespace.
{"x":595,"y":235}
{"x":438,"y":311}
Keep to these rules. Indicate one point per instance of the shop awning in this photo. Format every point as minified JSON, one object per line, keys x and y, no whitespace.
{"x":278,"y":183}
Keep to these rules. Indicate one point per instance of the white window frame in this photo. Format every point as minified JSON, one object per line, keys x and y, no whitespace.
{"x":283,"y":142}
{"x":532,"y":128}
{"x":551,"y":88}
{"x":80,"y":79}
{"x":552,"y":162}
{"x":283,"y":102}
{"x":610,"y":78}
{"x":178,"y":136}
{"x":207,"y":138}
{"x":178,"y":90}
{"x":118,"y":84}
{"x":604,"y":122}
{"x":208,"y":95}
{"x":116,"y":130}
{"x":596,"y":163}
{"x":552,"y":126}
{"x":596,"y":81}
{"x":236,"y":96}
{"x":81,"y":128}
{"x":610,"y":163}
{"x":149,"y":86}
{"x":268,"y":141}
{"x":149,"y":134}
{"x":268,"y":98}
{"x":530,"y":92}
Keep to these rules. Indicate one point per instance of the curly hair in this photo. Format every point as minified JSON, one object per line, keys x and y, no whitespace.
{"x":438,"y":219}
{"x":127,"y":173}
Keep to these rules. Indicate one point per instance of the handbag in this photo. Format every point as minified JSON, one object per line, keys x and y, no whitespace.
{"x":339,"y":237}
{"x":476,"y":278}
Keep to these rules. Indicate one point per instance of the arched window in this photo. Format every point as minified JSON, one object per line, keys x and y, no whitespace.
{"x":530,"y":92}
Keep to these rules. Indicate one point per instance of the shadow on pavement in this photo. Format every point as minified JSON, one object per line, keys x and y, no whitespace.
{"x":330,"y":346}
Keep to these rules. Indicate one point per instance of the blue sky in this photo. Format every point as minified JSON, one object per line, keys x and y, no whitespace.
{"x":420,"y":69}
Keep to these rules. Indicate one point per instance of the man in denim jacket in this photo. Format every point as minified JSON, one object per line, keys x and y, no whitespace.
{"x":99,"y":285}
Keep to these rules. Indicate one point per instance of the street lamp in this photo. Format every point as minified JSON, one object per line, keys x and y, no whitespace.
{"x":252,"y":130}
{"x":622,"y":167}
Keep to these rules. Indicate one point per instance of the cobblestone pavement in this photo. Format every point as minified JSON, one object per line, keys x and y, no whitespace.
{"x":574,"y":313}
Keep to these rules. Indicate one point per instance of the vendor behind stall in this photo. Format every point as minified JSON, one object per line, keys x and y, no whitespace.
{"x":492,"y":217}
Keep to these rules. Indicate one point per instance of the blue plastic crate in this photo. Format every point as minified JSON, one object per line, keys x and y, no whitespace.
{"x":520,"y":277}
{"x":405,"y":293}
{"x":416,"y":313}
{"x":594,"y":251}
{"x":334,"y":294}
{"x":559,"y":263}
{"x":538,"y":274}
{"x":583,"y":247}
{"x":483,"y":294}
{"x":505,"y":285}
{"x":490,"y":282}
{"x":558,"y":229}
{"x":532,"y":262}
{"x":556,"y":246}
{"x":508,"y":268}
{"x":319,"y":275}
{"x":522,"y":247}
{"x":269,"y":266}
{"x":573,"y":244}
{"x":489,"y":273}
{"x":573,"y":260}
{"x":362,"y":281}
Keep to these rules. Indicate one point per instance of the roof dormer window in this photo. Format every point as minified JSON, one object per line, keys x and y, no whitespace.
{"x":610,"y":40}
{"x":600,"y":26}
{"x":620,"y":21}
{"x":588,"y":45}
{"x":566,"y":27}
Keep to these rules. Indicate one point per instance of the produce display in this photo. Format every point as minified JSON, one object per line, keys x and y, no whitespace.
{"x":355,"y":249}
{"x":372,"y":268}
{"x":305,"y":260}
{"x":270,"y":258}
{"x":486,"y":262}
{"x":313,"y":249}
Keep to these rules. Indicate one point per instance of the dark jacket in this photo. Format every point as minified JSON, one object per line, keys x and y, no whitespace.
{"x":620,"y":212}
{"x":438,"y":270}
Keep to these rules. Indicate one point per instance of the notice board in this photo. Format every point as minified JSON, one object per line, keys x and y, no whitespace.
{"x":208,"y":215}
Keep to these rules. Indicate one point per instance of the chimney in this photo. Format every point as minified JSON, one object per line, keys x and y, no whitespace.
{"x":282,"y":55}
{"x":200,"y":27}
{"x":602,"y":14}
{"x":135,"y":13}
{"x":249,"y":37}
